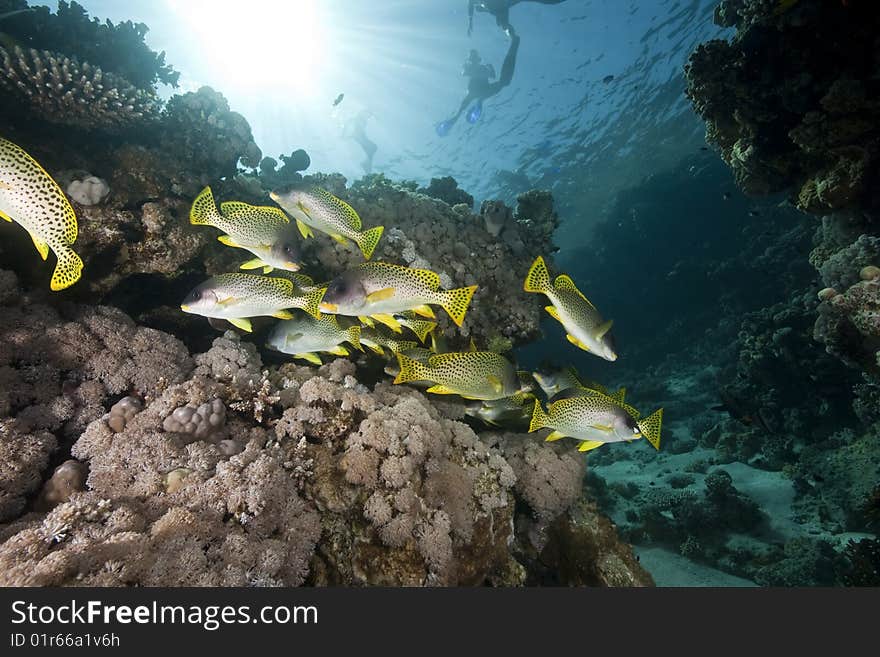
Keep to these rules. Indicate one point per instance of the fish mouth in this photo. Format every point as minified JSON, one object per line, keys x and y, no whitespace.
{"x":328,"y":307}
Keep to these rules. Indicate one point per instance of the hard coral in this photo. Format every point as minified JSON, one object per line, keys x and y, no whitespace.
{"x":787,"y":107}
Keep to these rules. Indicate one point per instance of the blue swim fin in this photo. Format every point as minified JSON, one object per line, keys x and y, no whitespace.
{"x":475,"y":112}
{"x":443,"y":128}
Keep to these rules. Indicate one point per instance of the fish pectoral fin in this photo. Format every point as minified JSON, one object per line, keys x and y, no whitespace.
{"x":556,"y":435}
{"x":425,"y":311}
{"x":228,"y":241}
{"x":304,"y":210}
{"x":312,"y":358}
{"x":577,"y":343}
{"x":587,"y":445}
{"x":242,"y":323}
{"x":441,"y":390}
{"x":389,"y":321}
{"x":339,"y":238}
{"x":268,"y":269}
{"x":283,"y":314}
{"x":495,"y":382}
{"x":226,"y":302}
{"x":380,"y":295}
{"x":304,"y":229}
{"x":366,"y":321}
{"x":42,"y":247}
{"x":551,"y":310}
{"x":338,"y":350}
{"x":603,"y":328}
{"x":256,"y":263}
{"x":602,"y":427}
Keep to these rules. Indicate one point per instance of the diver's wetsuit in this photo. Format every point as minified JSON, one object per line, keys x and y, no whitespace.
{"x":500,"y":9}
{"x":479,"y":86}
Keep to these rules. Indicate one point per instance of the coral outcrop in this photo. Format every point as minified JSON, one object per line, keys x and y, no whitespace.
{"x":219,"y":470}
{"x":789,"y":108}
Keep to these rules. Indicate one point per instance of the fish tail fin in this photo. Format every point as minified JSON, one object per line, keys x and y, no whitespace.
{"x":410,"y":370}
{"x":540,"y":419}
{"x":650,"y":427}
{"x":67,"y":271}
{"x":354,"y":336}
{"x":538,"y":278}
{"x":456,"y":302}
{"x":204,"y":210}
{"x":313,"y":302}
{"x":368,"y":240}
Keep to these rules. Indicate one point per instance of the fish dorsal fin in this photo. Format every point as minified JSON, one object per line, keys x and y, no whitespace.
{"x":619,"y":396}
{"x":429,"y":278}
{"x":354,"y":219}
{"x":238,"y":210}
{"x":564,"y":282}
{"x":437,"y":360}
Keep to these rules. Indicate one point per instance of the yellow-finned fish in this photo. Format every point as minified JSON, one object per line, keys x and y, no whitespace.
{"x":314,"y":207}
{"x":379,"y":342}
{"x":236,"y":297}
{"x":584,"y":325}
{"x":31,"y":198}
{"x":596,"y":419}
{"x":415,"y":323}
{"x":420,"y":354}
{"x":304,"y":336}
{"x":507,"y":411}
{"x":469,"y":374}
{"x":552,"y":383}
{"x":380,"y":290}
{"x":264,"y":231}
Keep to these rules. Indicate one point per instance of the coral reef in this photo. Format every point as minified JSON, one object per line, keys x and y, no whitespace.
{"x":218,"y":470}
{"x":447,"y":190}
{"x":788,"y":108}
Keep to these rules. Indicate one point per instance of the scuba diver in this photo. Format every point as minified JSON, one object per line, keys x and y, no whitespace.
{"x":500,"y":9}
{"x":359,"y":134}
{"x":480,"y":86}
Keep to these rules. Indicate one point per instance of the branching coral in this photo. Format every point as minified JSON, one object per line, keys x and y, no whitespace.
{"x":60,"y":90}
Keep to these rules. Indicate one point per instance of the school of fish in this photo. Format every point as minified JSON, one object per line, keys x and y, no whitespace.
{"x":384,"y":307}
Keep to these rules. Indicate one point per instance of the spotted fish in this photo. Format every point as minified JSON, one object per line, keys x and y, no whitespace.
{"x":469,"y":374}
{"x":264,"y":231}
{"x":236,"y":297}
{"x":304,"y":336}
{"x":314,"y":207}
{"x":379,"y":342}
{"x":506,"y":411}
{"x":31,"y":198}
{"x":596,"y":419}
{"x":584,"y":325}
{"x":379,"y":290}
